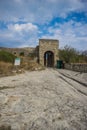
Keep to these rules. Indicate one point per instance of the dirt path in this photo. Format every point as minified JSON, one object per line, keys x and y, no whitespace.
{"x":43,"y":100}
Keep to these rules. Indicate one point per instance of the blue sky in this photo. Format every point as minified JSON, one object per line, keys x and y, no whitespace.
{"x":24,"y":22}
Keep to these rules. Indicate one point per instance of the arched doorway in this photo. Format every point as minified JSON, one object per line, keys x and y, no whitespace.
{"x":49,"y":59}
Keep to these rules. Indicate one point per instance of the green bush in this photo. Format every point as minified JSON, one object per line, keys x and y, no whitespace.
{"x":71,"y":55}
{"x":6,"y":56}
{"x":21,"y":53}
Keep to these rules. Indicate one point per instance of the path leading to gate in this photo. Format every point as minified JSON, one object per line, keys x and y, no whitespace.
{"x":44,"y":100}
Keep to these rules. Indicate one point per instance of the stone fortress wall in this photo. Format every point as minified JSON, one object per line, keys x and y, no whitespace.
{"x":18,"y":51}
{"x":38,"y":51}
{"x":79,"y":67}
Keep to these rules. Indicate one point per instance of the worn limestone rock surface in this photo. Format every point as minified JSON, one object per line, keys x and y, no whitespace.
{"x":43,"y":100}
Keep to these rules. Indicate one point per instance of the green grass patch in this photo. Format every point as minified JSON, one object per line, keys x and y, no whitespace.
{"x":7,"y":56}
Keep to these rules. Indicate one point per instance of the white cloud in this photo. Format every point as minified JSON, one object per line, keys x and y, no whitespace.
{"x":19,"y":35}
{"x":75,"y":36}
{"x":23,"y":27}
{"x":40,"y":11}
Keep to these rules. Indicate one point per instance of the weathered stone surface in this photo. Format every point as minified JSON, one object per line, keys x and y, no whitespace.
{"x":79,"y":67}
{"x":48,"y":45}
{"x":17,"y":51}
{"x":43,"y":100}
{"x":5,"y":127}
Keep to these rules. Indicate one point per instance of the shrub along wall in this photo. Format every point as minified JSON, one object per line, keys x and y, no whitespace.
{"x":6,"y":56}
{"x":80,"y":67}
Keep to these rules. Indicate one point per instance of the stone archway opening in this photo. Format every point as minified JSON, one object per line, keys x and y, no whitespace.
{"x":49,"y":59}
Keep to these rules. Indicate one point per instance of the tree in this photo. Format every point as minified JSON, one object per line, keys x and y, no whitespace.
{"x":69,"y":54}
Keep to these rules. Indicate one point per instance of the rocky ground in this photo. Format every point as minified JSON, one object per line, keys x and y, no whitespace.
{"x":50,"y":99}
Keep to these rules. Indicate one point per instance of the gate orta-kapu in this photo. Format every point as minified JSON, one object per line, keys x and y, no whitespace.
{"x":49,"y":59}
{"x":48,"y":52}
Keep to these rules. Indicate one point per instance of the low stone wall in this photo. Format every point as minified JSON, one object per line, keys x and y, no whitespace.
{"x":17,"y":51}
{"x":77,"y":67}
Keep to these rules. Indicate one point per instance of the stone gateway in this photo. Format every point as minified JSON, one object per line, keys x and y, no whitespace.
{"x":48,"y":52}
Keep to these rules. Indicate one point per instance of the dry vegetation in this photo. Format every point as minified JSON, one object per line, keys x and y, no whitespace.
{"x":31,"y":65}
{"x":5,"y":68}
{"x":7,"y":64}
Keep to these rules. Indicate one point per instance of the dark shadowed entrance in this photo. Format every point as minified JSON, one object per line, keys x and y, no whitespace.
{"x":49,"y":59}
